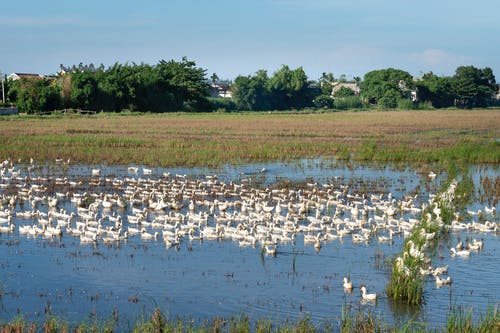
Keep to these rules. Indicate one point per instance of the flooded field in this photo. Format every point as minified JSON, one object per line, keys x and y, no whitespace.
{"x":271,"y":241}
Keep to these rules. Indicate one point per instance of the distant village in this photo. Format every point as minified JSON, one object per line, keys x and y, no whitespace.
{"x":406,"y":88}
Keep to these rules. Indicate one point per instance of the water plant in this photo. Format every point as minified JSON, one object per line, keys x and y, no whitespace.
{"x":406,"y":282}
{"x":459,"y":319}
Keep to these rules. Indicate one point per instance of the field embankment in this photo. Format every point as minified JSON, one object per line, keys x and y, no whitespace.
{"x":183,"y":139}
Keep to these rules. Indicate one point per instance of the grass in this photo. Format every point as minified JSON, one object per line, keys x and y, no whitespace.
{"x":458,"y":320}
{"x":406,"y":284}
{"x":184,"y":139}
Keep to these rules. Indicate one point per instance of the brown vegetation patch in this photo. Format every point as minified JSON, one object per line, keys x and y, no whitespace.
{"x":228,"y":138}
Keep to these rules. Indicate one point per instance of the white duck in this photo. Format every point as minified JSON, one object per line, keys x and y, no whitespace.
{"x":443,"y":282}
{"x":347,"y":284}
{"x":368,"y":297}
{"x":147,"y":235}
{"x":7,"y":229}
{"x":386,"y":239}
{"x":475,"y":245}
{"x":440,"y":270}
{"x":271,"y":250}
{"x":461,"y":253}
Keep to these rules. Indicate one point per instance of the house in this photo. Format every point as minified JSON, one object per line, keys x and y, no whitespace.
{"x":336,"y":86}
{"x":18,"y":76}
{"x":221,"y":89}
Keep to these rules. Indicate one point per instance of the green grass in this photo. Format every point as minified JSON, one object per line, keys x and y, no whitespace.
{"x":406,"y":284}
{"x":459,"y":319}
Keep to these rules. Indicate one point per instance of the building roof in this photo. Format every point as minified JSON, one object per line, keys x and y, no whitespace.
{"x":18,"y":76}
{"x":350,"y":85}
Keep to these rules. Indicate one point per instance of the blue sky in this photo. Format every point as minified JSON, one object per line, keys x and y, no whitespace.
{"x":239,"y":37}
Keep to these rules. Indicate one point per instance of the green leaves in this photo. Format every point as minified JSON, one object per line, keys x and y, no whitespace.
{"x":387,"y":86}
{"x":469,"y":87}
{"x":436,"y":90}
{"x":167,"y":86}
{"x":286,"y":89}
{"x":35,"y":94}
{"x":473,"y":87}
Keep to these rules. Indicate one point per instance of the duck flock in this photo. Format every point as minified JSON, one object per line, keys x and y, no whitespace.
{"x":173,"y":208}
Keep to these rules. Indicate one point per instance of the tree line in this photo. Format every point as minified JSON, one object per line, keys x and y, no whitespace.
{"x":182,"y":86}
{"x":166,"y":86}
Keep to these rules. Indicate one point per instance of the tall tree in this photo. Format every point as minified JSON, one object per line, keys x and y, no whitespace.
{"x":185,"y":82}
{"x":214,"y":78}
{"x":167,"y":86}
{"x":389,"y":83}
{"x":285,"y":89}
{"x":84,"y":91}
{"x":35,"y":94}
{"x":252,"y":92}
{"x":474,"y":87}
{"x":290,"y":89}
{"x":436,"y":90}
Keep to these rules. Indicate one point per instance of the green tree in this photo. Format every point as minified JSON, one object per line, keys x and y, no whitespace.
{"x":286,"y":89}
{"x":290,"y":89}
{"x":185,"y":82}
{"x":436,"y":90}
{"x":214,"y":78}
{"x":167,"y":86}
{"x":84,"y":91}
{"x":252,"y":92}
{"x":323,"y":101}
{"x":388,"y":84}
{"x":325,"y":83}
{"x":35,"y":94}
{"x":473,"y":87}
{"x":390,"y":99}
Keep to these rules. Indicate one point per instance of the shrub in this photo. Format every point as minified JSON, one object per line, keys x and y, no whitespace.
{"x":219,"y":103}
{"x":323,"y":101}
{"x":350,"y":102}
{"x":406,"y":104}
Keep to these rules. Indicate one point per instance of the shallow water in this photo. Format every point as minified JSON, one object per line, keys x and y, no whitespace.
{"x":205,"y":279}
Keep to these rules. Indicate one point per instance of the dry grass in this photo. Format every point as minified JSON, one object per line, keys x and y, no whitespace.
{"x":211,"y":139}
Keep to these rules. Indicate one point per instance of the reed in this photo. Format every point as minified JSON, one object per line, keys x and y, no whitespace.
{"x":459,"y":319}
{"x":362,"y":322}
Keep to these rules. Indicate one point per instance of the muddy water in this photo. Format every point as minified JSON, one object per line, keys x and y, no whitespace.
{"x":204,"y":279}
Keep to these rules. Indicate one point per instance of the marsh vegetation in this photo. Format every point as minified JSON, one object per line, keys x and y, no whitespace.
{"x":213,"y":140}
